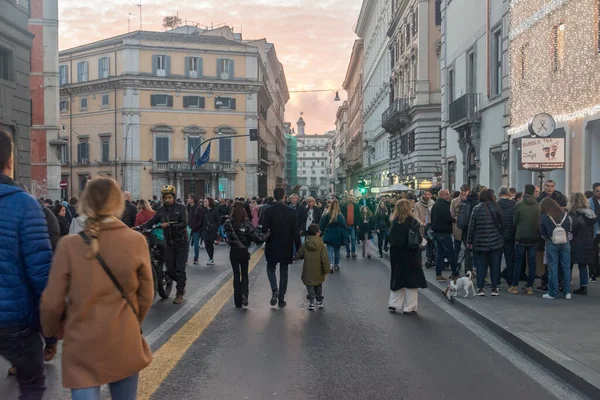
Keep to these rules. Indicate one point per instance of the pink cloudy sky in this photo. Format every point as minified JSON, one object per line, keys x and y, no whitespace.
{"x":313,"y":38}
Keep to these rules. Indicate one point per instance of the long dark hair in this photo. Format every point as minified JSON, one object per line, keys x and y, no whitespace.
{"x":551,"y":207}
{"x":238,"y":214}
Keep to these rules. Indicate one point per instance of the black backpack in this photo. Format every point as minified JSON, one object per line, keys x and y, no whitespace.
{"x":464,"y":216}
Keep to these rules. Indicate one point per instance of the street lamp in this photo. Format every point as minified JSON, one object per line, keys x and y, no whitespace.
{"x":337,"y":96}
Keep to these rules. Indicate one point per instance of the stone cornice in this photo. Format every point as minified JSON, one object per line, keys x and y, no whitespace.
{"x":175,"y":84}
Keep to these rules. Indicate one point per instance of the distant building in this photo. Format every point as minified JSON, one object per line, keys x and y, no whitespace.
{"x":338,"y":151}
{"x":15,"y":63}
{"x":46,"y":129}
{"x":135,"y":107}
{"x":291,"y":158}
{"x":313,"y":162}
{"x":373,"y":22}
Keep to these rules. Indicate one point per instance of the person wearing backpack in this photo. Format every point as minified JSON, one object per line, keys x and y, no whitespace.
{"x":555,"y":228}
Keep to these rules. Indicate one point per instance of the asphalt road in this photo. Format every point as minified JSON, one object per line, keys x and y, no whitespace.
{"x":353,"y":349}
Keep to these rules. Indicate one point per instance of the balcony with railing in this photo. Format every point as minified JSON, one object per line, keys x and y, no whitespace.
{"x":184,"y":166}
{"x":464,"y":111}
{"x":396,"y":117}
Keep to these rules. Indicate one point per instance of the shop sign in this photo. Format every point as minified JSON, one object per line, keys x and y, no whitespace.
{"x":540,"y":154}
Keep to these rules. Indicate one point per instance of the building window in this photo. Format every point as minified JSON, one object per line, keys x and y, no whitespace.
{"x":404,"y":144}
{"x":82,"y":182}
{"x":411,"y":142}
{"x":105,"y":153}
{"x":193,"y":143}
{"x":82,"y":71}
{"x":415,"y":22}
{"x":161,"y":65}
{"x":559,"y":47}
{"x":6,"y":65}
{"x":226,"y":103}
{"x":64,"y":106}
{"x":450,"y":85}
{"x":193,"y":102}
{"x":83,"y":103}
{"x":83,"y":152}
{"x":224,"y":68}
{"x":103,"y":68}
{"x":105,"y":99}
{"x":161,"y":100}
{"x":225,"y":150}
{"x":497,"y":63}
{"x":523,"y":62}
{"x":63,"y":75}
{"x":193,"y":66}
{"x":471,"y":68}
{"x":64,"y":154}
{"x":161,"y":147}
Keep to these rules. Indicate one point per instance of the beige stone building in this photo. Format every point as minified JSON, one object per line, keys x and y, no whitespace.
{"x":353,"y":85}
{"x":555,"y":69}
{"x":135,"y":106}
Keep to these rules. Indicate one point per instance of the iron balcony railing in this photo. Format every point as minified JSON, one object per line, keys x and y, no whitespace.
{"x":396,"y":117}
{"x":463,"y":111}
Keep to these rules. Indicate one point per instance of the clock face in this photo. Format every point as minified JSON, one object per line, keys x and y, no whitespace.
{"x":542,"y":125}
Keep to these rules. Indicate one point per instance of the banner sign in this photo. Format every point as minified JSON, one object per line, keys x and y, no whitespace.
{"x":542,"y":153}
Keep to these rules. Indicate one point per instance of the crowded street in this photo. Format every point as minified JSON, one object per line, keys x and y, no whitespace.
{"x":352,"y":349}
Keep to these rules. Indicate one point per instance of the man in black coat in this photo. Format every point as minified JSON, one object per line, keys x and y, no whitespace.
{"x":507,"y":206}
{"x":300,"y":212}
{"x":280,"y":220}
{"x":441,"y":224}
{"x":550,"y":191}
{"x":130,"y":212}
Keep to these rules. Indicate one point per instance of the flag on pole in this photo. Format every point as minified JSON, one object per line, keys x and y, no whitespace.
{"x":205,"y":157}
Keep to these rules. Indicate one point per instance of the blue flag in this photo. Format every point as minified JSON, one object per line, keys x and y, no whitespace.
{"x":205,"y":157}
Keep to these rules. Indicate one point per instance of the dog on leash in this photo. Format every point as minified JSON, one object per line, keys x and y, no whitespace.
{"x":465,"y":283}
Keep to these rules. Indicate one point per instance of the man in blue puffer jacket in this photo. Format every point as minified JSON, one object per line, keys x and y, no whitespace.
{"x":25,"y":257}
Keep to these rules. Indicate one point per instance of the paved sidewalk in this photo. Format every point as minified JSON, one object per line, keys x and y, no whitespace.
{"x":562,"y":335}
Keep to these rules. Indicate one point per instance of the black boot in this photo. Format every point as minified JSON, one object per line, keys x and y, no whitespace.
{"x":582,"y":290}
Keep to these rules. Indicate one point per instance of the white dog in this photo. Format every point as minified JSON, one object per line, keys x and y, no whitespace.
{"x":465,"y":283}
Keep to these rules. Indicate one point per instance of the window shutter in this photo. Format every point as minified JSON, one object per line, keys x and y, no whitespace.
{"x":154,"y":64}
{"x":169,"y":101}
{"x":78,"y":152}
{"x":168,"y":72}
{"x":108,"y":66}
{"x":231,"y":70}
{"x":201,"y":102}
{"x":153,"y":100}
{"x":232,"y":103}
{"x":186,"y":101}
{"x":100,"y":67}
{"x":187,"y":69}
{"x":200,"y":73}
{"x":87,"y":71}
{"x":219,"y":65}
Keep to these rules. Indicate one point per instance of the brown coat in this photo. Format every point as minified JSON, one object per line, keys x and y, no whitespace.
{"x":102,"y":339}
{"x":454,"y":206}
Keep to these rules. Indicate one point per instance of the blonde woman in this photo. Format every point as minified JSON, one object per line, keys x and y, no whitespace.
{"x":103,"y":340}
{"x":145,"y":213}
{"x":583,"y":250}
{"x":335,"y":234}
{"x":407,"y":272}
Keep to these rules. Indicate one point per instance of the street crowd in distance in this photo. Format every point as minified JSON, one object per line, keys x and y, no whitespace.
{"x":81,"y":271}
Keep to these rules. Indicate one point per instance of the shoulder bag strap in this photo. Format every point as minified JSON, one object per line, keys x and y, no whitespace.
{"x":235,"y":236}
{"x":112,"y":277}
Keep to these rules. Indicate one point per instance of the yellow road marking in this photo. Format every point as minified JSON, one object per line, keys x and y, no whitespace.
{"x":167,"y":357}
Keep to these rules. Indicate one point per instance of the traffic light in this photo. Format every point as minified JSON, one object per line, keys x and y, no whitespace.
{"x":254,"y":135}
{"x":361,"y":186}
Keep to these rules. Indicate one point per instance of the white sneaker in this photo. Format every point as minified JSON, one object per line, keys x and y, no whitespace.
{"x":568,"y":296}
{"x":320,"y":304}
{"x":311,"y":306}
{"x":210,"y":262}
{"x":547,"y":297}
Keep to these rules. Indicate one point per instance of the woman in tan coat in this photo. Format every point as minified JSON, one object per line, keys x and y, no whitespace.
{"x":103,"y":343}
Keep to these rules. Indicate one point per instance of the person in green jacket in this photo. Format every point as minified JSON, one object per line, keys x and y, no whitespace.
{"x":316,"y":266}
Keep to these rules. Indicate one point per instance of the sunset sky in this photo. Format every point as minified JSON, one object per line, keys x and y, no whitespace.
{"x":313,"y":38}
